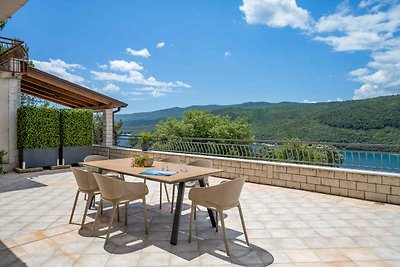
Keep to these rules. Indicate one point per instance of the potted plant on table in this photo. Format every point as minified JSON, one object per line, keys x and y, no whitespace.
{"x":143,"y":161}
{"x":146,"y":139}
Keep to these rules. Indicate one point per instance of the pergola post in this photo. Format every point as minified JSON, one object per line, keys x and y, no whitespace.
{"x":108,"y":126}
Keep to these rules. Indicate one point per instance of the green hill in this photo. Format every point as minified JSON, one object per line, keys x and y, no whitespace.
{"x":375,"y":120}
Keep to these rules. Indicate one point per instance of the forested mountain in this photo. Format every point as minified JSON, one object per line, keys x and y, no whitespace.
{"x":374,"y":120}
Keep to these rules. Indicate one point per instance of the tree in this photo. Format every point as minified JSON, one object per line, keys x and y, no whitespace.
{"x":117,"y":131}
{"x":97,"y":128}
{"x":202,"y":124}
{"x":32,"y":101}
{"x":3,"y":24}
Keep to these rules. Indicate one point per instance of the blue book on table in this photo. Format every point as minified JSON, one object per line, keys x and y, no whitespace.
{"x":159,"y":173}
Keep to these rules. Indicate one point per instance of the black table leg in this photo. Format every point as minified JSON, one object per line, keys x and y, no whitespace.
{"x":177,"y":215}
{"x":210,"y":212}
{"x":92,"y":203}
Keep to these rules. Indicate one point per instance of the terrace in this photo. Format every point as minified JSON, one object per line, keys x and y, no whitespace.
{"x":297,"y":213}
{"x":286,"y":227}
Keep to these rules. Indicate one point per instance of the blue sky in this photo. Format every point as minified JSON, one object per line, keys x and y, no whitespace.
{"x":216,"y":52}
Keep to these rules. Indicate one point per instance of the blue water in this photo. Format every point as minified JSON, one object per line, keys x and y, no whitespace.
{"x":376,"y":161}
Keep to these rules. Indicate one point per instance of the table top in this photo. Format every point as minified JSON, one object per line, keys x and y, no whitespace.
{"x":124,"y":166}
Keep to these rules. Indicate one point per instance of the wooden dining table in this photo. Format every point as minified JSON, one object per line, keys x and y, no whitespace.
{"x":192,"y":173}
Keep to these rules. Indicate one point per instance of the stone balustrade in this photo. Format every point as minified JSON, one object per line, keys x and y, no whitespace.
{"x":368,"y":185}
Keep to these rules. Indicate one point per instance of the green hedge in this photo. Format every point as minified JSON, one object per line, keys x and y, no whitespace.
{"x":38,"y":127}
{"x":76,"y":127}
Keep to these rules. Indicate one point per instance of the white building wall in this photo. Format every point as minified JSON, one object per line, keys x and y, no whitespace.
{"x":10,"y":88}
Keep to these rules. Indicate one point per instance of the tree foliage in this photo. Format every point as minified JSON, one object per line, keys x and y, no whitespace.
{"x":2,"y":154}
{"x":33,"y":101}
{"x":97,"y":128}
{"x":202,"y":124}
{"x":294,"y":150}
{"x":117,"y":131}
{"x":373,"y":121}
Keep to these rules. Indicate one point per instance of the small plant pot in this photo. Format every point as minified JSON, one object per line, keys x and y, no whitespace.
{"x":148,"y":163}
{"x":145,"y":146}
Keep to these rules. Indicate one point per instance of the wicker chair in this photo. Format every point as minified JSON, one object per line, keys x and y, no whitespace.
{"x":86,"y":185}
{"x":117,"y":193}
{"x":218,"y":198}
{"x":199,"y":163}
{"x":94,"y":169}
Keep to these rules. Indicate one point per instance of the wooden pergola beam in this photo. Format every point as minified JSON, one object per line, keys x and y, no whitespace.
{"x":40,"y":85}
{"x":47,"y":97}
{"x":47,"y":86}
{"x":55,"y":94}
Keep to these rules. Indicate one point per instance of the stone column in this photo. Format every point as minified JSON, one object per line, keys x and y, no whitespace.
{"x":108,"y":122}
{"x":10,"y":89}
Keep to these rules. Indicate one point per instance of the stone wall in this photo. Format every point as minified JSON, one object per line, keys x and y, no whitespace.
{"x":369,"y":185}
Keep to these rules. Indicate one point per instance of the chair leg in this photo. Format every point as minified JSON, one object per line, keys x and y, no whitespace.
{"x":117,"y":212}
{"x":88,"y":202}
{"x":122,"y":177}
{"x":160,"y":194}
{"x":101,"y":205}
{"x":111,"y":221}
{"x":216,"y":221}
{"x":173,"y":198}
{"x":224,"y":232}
{"x":126,"y":213}
{"x":195,"y":213}
{"x":99,"y":208}
{"x":243,"y":225}
{"x":191,"y":221}
{"x":166,"y":192}
{"x":73,"y":207}
{"x":145,"y":215}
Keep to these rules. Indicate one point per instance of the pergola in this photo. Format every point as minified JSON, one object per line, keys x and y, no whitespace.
{"x":44,"y":85}
{"x":49,"y":87}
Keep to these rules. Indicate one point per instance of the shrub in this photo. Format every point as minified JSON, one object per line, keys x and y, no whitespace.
{"x":38,"y":127}
{"x":2,"y":154}
{"x":146,"y":137}
{"x":76,"y":127}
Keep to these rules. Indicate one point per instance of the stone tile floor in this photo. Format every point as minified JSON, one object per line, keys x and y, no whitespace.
{"x":286,"y":228}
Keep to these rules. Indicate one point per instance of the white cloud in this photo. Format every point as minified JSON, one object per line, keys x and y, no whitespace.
{"x":227,"y":54}
{"x":375,"y":5}
{"x":276,"y":13}
{"x":123,"y":65}
{"x":60,"y":68}
{"x":347,"y":32}
{"x":306,"y":101}
{"x":110,"y":87}
{"x":373,"y":27}
{"x":155,"y":91}
{"x":160,"y":45}
{"x":103,"y":66}
{"x":382,"y":77}
{"x":135,"y":77}
{"x":139,"y":53}
{"x":358,"y":72}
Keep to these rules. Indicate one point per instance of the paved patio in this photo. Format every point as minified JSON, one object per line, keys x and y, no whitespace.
{"x":286,"y":228}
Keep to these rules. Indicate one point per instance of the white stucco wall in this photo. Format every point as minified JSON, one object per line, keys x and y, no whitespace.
{"x":10,"y":88}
